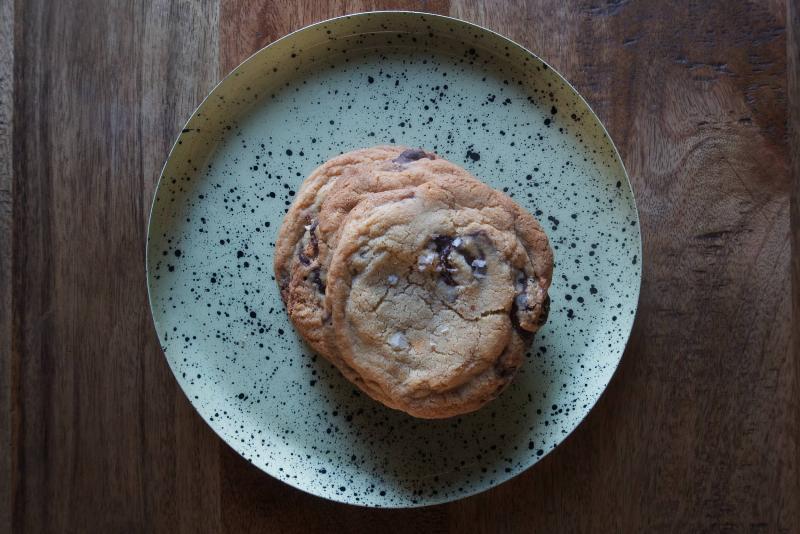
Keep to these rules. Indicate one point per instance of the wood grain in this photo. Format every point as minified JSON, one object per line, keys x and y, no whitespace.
{"x":245,"y":27}
{"x":698,"y":430}
{"x":793,"y":71}
{"x":6,"y":217}
{"x":105,"y":442}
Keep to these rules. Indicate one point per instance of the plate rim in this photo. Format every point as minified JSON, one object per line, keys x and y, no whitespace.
{"x":452,"y":20}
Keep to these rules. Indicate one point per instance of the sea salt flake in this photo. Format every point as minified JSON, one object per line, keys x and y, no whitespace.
{"x":398,"y":341}
{"x":424,"y":260}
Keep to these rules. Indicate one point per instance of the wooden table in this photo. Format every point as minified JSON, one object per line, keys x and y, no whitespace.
{"x":699,"y":430}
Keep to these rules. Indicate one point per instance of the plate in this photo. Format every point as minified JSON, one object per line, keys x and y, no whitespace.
{"x":477,"y":99}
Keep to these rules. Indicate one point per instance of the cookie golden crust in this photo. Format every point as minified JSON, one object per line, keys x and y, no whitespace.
{"x":434,"y":291}
{"x":418,"y":281}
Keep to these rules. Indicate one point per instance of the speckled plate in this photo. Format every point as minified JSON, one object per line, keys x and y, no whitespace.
{"x":415,"y":79}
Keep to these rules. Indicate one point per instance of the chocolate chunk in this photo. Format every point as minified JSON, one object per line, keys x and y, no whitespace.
{"x":317,"y":279}
{"x":411,"y":155}
{"x":545,"y":311}
{"x":529,"y":310}
{"x":465,"y":246}
{"x":444,"y":246}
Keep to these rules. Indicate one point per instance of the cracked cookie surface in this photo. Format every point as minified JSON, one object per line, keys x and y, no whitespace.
{"x":312,"y":226}
{"x":434,"y":291}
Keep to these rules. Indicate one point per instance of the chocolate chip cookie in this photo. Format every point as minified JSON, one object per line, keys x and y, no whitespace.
{"x":451,"y":262}
{"x":435,"y":291}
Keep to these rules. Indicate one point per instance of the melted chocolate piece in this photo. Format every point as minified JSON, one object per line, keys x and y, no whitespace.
{"x":545,"y":311}
{"x":521,"y":303}
{"x":443,"y":242}
{"x":315,"y":277}
{"x":444,"y":246}
{"x":412,"y":155}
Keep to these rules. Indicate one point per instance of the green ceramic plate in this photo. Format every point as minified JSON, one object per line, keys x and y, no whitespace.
{"x":415,"y":79}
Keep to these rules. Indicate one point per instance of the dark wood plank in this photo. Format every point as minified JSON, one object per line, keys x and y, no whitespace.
{"x":245,"y":27}
{"x":6,"y":132}
{"x":179,"y":47}
{"x":793,"y":74}
{"x":695,"y":429}
{"x":105,"y":442}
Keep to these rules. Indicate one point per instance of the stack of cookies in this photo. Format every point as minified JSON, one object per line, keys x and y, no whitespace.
{"x":420,"y":283}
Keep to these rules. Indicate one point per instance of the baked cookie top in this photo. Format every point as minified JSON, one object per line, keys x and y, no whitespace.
{"x":311,"y":227}
{"x":433,"y":290}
